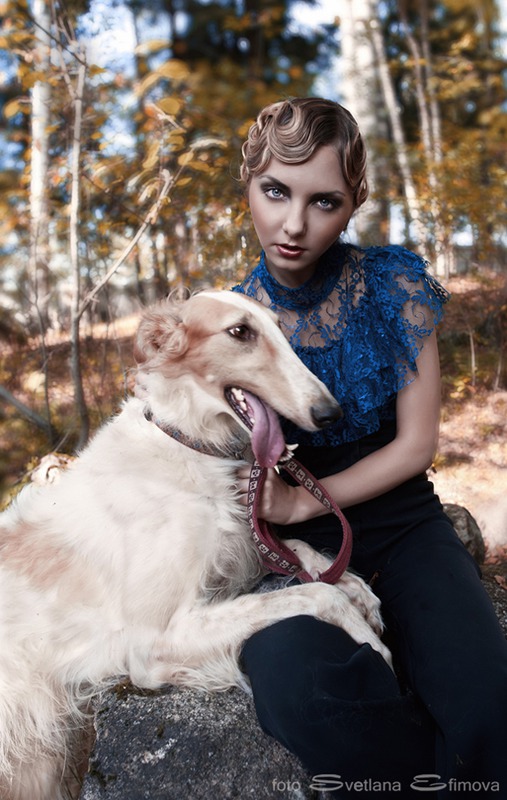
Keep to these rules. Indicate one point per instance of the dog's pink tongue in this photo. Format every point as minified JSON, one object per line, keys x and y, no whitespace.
{"x":268,"y":443}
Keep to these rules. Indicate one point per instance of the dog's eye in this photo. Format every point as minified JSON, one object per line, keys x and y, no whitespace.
{"x":242,"y":332}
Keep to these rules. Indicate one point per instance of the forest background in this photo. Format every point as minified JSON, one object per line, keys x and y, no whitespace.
{"x":120,"y":131}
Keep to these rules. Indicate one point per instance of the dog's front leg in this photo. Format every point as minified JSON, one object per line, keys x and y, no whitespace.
{"x":359,"y":593}
{"x":201,"y":645}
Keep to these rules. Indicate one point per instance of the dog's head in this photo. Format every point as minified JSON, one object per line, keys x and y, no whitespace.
{"x":231,"y":349}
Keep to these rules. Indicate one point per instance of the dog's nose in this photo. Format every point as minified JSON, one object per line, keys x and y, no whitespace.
{"x":325,"y":413}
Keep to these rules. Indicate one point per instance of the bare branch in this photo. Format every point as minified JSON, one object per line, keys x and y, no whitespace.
{"x":168,"y":181}
{"x":29,"y":414}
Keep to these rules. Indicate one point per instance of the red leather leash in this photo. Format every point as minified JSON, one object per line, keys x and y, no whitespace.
{"x":276,"y":556}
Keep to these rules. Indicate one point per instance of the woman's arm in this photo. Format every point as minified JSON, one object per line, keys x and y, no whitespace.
{"x":411,"y":452}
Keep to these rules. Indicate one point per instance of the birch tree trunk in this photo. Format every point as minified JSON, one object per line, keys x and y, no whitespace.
{"x":401,"y":148}
{"x":74,"y":71}
{"x":39,"y":210}
{"x":75,"y":203}
{"x":429,"y":120}
{"x":444,"y":261}
{"x":360,"y":93}
{"x":39,"y":253}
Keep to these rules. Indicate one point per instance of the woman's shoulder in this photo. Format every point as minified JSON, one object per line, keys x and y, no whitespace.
{"x":395,"y":273}
{"x":392,"y":258}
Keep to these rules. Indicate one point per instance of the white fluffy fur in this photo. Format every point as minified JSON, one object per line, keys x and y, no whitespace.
{"x":138,"y":561}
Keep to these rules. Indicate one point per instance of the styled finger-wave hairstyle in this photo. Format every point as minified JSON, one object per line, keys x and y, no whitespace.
{"x":292,"y":130}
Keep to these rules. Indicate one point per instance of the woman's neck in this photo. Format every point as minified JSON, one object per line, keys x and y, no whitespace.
{"x":313,"y":290}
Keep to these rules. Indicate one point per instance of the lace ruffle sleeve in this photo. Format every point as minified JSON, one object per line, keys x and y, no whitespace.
{"x":402,"y":306}
{"x":379,"y":345}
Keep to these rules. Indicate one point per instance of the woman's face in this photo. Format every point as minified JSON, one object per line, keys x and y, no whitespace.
{"x":298,"y":211}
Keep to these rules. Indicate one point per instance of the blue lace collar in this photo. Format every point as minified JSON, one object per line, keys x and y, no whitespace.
{"x":314,"y":290}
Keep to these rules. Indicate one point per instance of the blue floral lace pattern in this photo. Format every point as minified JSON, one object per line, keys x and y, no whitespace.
{"x":358,"y":324}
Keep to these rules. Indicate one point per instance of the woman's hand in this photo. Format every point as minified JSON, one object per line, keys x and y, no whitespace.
{"x":279,"y":503}
{"x":276,"y":502}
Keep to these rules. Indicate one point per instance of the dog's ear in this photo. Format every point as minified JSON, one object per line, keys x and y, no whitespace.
{"x":161,"y":332}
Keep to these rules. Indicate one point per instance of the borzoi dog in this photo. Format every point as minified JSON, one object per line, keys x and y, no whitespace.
{"x":139,"y":560}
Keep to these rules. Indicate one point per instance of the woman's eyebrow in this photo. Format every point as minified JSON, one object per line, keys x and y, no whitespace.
{"x":275,"y":181}
{"x":330,"y":193}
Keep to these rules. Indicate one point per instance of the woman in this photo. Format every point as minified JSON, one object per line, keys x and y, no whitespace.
{"x":364,"y":321}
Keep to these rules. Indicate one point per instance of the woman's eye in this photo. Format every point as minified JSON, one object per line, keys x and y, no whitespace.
{"x":274,"y":192}
{"x":242,"y":332}
{"x":326,"y":204}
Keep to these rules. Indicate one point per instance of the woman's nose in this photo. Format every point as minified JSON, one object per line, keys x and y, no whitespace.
{"x":295,"y":222}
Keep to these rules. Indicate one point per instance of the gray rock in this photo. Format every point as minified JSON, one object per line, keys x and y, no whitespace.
{"x":179,"y":744}
{"x":494,"y":578}
{"x":467,"y":529}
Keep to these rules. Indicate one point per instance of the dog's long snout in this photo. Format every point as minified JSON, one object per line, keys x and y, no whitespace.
{"x":325,"y":413}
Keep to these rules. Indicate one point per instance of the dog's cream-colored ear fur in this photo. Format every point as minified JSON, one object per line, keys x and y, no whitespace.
{"x":161,"y":331}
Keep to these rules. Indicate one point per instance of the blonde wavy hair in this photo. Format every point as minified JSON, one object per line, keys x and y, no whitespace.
{"x":292,"y":130}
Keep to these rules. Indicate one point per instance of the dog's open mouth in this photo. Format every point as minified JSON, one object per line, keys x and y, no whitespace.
{"x":268,"y":444}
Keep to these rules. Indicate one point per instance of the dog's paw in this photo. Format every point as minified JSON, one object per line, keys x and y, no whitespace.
{"x":364,"y":624}
{"x":312,"y":562}
{"x":335,"y":606}
{"x":359,"y":593}
{"x":363,"y":633}
{"x":363,"y":598}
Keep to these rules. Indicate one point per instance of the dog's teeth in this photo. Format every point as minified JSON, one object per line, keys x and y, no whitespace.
{"x":238,"y":396}
{"x":240,"y":399}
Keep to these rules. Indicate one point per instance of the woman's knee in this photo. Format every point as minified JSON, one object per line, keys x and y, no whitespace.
{"x":301,"y":662}
{"x":333,"y":702}
{"x":283,"y":652}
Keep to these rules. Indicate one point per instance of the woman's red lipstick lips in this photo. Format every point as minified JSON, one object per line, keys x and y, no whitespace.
{"x":289,"y":250}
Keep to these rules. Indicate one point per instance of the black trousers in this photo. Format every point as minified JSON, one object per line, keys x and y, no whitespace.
{"x":440,"y":723}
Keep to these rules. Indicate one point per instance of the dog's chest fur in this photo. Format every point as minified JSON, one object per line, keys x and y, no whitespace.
{"x":169,"y":488}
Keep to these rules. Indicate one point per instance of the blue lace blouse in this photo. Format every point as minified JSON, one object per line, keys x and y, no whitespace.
{"x":358,"y":324}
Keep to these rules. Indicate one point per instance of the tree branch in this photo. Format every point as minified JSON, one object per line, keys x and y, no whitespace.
{"x":29,"y":414}
{"x":150,"y":218}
